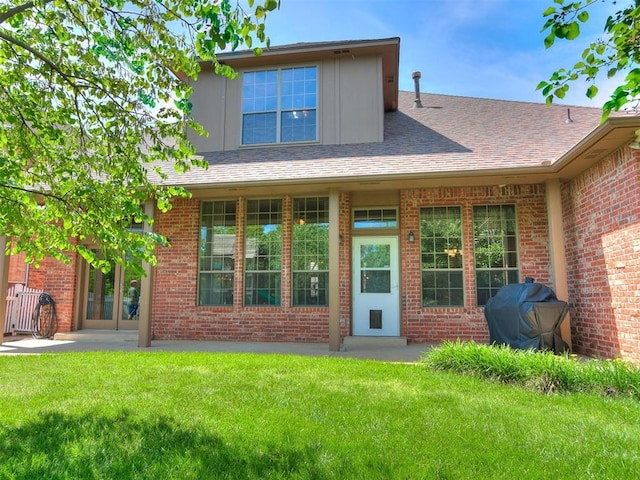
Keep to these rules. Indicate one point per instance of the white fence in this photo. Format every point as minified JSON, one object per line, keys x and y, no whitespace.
{"x":21,"y":302}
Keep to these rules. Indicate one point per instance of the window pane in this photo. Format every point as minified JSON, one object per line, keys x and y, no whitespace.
{"x":259,"y":91}
{"x":298,"y":126}
{"x":375,"y":218}
{"x":262,"y":289}
{"x":375,"y":256}
{"x":259,"y":128}
{"x":217,"y":252}
{"x":310,"y":289}
{"x":441,"y":254}
{"x":263,"y":251}
{"x":442,"y":288}
{"x":279,"y":100}
{"x":496,"y":249}
{"x":310,"y":250}
{"x":375,"y":281}
{"x":215,"y":289}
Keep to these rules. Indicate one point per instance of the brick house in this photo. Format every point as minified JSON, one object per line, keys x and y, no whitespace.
{"x":336,"y":206}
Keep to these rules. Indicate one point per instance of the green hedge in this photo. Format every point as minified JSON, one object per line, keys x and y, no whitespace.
{"x":540,"y":371}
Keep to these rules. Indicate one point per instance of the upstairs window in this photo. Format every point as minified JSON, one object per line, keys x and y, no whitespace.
{"x":280,"y":106}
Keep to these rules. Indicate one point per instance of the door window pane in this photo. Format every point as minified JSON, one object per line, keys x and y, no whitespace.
{"x":375,"y":281}
{"x":375,"y":256}
{"x":100,"y":293}
{"x":130,"y":309}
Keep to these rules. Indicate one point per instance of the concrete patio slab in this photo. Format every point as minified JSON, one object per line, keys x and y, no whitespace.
{"x":109,"y":340}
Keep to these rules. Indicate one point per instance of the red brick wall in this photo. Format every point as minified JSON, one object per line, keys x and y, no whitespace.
{"x":176,"y":315}
{"x":602,"y":236}
{"x":175,"y":311}
{"x":17,"y":268}
{"x":58,"y":280}
{"x":434,"y":325}
{"x":345,"y":265}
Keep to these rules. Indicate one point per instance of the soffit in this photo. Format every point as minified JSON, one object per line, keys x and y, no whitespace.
{"x":610,"y":136}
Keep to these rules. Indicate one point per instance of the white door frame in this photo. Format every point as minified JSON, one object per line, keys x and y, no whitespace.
{"x":377,"y":312}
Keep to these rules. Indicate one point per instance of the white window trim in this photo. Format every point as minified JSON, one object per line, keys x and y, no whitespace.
{"x":278,"y":111}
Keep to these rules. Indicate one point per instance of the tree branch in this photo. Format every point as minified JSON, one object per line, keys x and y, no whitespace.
{"x":40,"y":56}
{"x":19,"y":9}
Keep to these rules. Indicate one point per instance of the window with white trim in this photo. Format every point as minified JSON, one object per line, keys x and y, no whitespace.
{"x":441,"y":257}
{"x":280,"y":105}
{"x":263,"y":252}
{"x":495,"y":249}
{"x":310,"y":251}
{"x":217,"y":252}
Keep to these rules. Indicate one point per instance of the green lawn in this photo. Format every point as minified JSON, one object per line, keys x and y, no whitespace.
{"x":162,"y":415}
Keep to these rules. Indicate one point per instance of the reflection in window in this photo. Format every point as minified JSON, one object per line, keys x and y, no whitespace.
{"x":375,"y":218}
{"x":310,"y":251}
{"x":496,"y":249}
{"x":375,"y":268}
{"x":100,"y":292}
{"x":279,"y":105}
{"x":217,"y":252}
{"x":263,"y":252}
{"x":441,"y":256}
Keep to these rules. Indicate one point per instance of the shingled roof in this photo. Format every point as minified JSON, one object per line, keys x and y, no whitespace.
{"x":449,"y":137}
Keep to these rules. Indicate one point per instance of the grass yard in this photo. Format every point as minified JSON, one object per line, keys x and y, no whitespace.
{"x":163,"y":415}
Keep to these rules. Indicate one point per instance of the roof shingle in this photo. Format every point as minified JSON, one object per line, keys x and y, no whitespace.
{"x":449,"y":134}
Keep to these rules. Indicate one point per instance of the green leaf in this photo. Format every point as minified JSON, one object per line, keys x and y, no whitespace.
{"x":541,"y":85}
{"x":592,"y":91}
{"x":572,"y":31}
{"x":86,"y":152}
{"x":549,"y":11}
{"x":583,"y":16}
{"x":549,"y":39}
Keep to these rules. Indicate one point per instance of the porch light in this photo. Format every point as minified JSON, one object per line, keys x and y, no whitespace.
{"x":412,"y":237}
{"x":301,"y":220}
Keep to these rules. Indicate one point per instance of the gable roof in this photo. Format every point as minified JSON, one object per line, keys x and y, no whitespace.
{"x":388,"y":49}
{"x":451,"y":141}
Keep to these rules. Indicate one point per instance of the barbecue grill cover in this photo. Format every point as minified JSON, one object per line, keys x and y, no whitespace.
{"x":526,"y":316}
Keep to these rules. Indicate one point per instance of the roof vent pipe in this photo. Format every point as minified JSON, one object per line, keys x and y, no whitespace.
{"x":416,"y":81}
{"x":568,"y":120}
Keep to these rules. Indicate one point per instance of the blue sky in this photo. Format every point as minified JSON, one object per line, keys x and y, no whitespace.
{"x":478,"y":48}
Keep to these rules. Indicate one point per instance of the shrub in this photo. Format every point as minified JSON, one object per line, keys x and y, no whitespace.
{"x":536,"y":370}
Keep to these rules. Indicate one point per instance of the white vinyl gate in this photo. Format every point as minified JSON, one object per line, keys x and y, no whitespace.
{"x":21,"y":302}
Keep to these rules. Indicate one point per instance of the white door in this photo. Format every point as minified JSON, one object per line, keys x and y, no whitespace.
{"x":376,"y":292}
